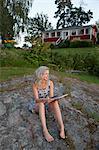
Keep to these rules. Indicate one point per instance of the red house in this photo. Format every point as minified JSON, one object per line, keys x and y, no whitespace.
{"x":88,"y":32}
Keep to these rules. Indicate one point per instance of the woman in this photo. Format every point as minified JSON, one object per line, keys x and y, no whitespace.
{"x":43,"y":89}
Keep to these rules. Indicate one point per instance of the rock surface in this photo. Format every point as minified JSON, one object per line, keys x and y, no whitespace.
{"x":21,"y":130}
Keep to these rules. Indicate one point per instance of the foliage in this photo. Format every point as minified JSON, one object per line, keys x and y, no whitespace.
{"x":12,"y":57}
{"x":64,"y":44}
{"x":91,"y":63}
{"x":97,"y":38}
{"x":52,"y":46}
{"x":17,"y":62}
{"x":77,"y":105}
{"x":11,"y":72}
{"x":39,"y":55}
{"x":83,"y":59}
{"x":80,"y":43}
{"x":72,"y":44}
{"x":97,"y":23}
{"x":6,"y":20}
{"x":71,"y":16}
{"x":8,"y":45}
{"x":14,"y":16}
{"x":42,"y":55}
{"x":38,"y":24}
{"x":94,"y":115}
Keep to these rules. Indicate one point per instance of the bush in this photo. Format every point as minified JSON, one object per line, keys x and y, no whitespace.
{"x":88,"y":62}
{"x":98,"y":38}
{"x":52,"y":46}
{"x":91,"y":63}
{"x":8,"y":45}
{"x":41,"y":55}
{"x":64,"y":44}
{"x":79,"y":43}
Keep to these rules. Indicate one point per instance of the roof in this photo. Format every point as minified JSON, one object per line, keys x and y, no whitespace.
{"x":68,"y":28}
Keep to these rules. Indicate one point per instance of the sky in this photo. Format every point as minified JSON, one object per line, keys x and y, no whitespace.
{"x":49,"y":7}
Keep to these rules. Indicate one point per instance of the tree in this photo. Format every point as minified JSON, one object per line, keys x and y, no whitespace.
{"x":38,"y":24}
{"x":78,"y":17}
{"x":6,"y":21}
{"x":71,"y":16}
{"x":14,"y":16}
{"x":63,"y":13}
{"x":97,"y":23}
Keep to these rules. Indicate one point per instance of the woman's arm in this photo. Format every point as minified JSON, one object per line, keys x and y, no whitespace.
{"x":51,"y":91}
{"x":36,"y":97}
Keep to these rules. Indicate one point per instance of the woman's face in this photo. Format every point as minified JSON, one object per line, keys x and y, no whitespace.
{"x":45,"y":75}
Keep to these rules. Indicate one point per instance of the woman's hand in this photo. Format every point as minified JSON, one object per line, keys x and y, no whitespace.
{"x":43,"y":100}
{"x":49,"y":100}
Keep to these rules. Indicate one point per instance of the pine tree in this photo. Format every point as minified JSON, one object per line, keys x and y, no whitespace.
{"x":71,"y":16}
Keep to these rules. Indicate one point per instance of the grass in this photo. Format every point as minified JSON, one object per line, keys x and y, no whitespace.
{"x":94,"y":115}
{"x":77,"y":105}
{"x":13,"y":64}
{"x":65,"y":51}
{"x":8,"y":73}
{"x":85,"y":77}
{"x":82,"y":76}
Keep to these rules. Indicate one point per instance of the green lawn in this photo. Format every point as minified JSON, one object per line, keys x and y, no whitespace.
{"x":83,"y":77}
{"x":7,"y":73}
{"x":65,"y":51}
{"x":13,"y":64}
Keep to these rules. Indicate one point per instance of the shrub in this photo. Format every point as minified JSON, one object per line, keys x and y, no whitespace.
{"x":79,"y":43}
{"x":91,"y":63}
{"x":64,"y":44}
{"x":88,"y":62}
{"x":52,"y":46}
{"x":8,"y":45}
{"x":98,"y":38}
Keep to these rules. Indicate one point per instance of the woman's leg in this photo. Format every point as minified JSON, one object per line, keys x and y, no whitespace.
{"x":47,"y":135}
{"x":55,"y":107}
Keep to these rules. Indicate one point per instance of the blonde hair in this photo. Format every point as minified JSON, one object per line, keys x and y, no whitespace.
{"x":39,"y":72}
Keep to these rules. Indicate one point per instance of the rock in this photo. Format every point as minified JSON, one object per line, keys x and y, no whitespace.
{"x":14,"y":118}
{"x":2,"y":109}
{"x":20,"y":129}
{"x":8,"y":100}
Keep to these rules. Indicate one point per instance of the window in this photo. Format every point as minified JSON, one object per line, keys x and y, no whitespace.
{"x":73,"y":32}
{"x":66,"y":33}
{"x":81,"y":31}
{"x":58,"y":34}
{"x":66,"y":1}
{"x":47,"y":35}
{"x":53,"y":34}
{"x":87,"y":30}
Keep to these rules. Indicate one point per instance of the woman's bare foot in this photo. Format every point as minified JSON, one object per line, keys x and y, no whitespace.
{"x":62,"y":134}
{"x":47,"y":136}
